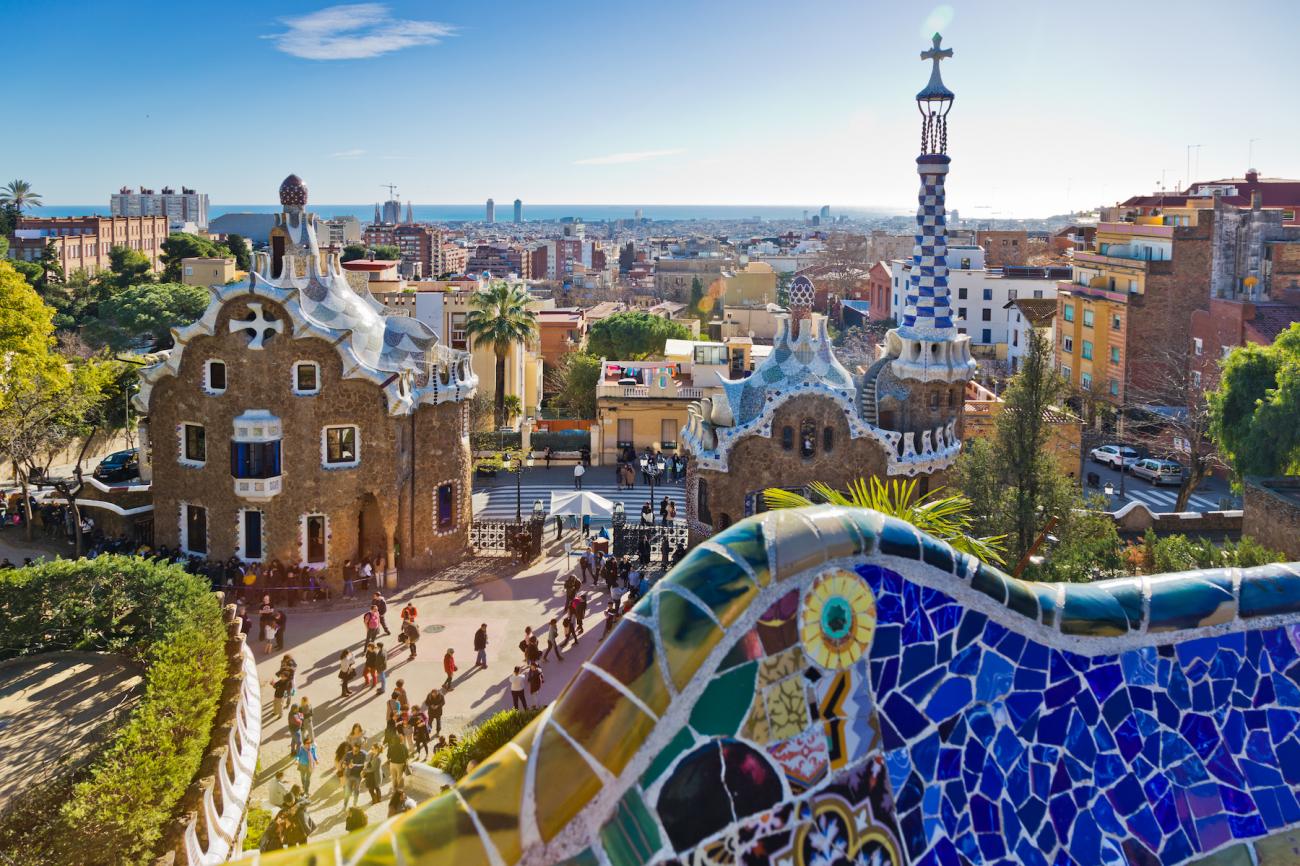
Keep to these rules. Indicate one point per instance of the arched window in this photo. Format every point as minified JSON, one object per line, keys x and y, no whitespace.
{"x":787,"y":438}
{"x":934,"y":400}
{"x":702,"y":502}
{"x":807,"y":439}
{"x":724,"y":521}
{"x":828,"y":439}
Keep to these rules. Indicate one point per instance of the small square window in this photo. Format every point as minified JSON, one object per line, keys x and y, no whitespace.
{"x":1068,"y":311}
{"x":194,"y":445}
{"x":988,"y":294}
{"x":1116,"y":323}
{"x":1087,"y":318}
{"x":306,"y":377}
{"x":1114,"y":354}
{"x":1199,"y":345}
{"x":340,"y":446}
{"x":961,"y":294}
{"x":1114,"y":387}
{"x":216,"y":377}
{"x":986,"y":315}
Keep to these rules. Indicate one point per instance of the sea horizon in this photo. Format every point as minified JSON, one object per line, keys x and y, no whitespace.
{"x":532,"y":213}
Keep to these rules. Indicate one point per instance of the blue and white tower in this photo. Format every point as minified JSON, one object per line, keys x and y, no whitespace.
{"x":927,"y":346}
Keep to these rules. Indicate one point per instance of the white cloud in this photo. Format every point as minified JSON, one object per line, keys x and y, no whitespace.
{"x":632,"y":156}
{"x":354,"y":31}
{"x":354,"y":153}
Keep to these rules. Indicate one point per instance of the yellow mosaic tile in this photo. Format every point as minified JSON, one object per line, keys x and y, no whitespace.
{"x":440,"y":831}
{"x":608,"y":725}
{"x":787,"y":708}
{"x":797,"y":545}
{"x":773,"y":669}
{"x":688,"y":636}
{"x":495,"y":792}
{"x":567,"y":783}
{"x":629,"y":657}
{"x":756,"y":729}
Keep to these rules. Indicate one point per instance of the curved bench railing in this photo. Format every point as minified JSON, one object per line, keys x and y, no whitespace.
{"x":225,"y":827}
{"x":827,"y":685}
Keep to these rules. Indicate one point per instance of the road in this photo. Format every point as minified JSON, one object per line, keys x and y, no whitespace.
{"x":1206,"y":497}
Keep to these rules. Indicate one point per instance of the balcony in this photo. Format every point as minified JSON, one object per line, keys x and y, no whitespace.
{"x":681,"y":392}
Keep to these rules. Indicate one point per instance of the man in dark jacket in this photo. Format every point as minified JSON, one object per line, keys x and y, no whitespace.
{"x":480,"y":646}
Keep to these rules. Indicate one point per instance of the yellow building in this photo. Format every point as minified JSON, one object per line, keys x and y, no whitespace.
{"x":643,"y":404}
{"x":204,"y":271}
{"x":753,"y":285}
{"x":979,"y":421}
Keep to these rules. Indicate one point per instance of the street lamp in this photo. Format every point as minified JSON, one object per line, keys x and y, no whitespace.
{"x":1109,"y":490}
{"x":539,"y":510}
{"x":518,"y":470}
{"x":652,"y":468}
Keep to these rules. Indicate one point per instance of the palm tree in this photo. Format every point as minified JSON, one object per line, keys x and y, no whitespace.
{"x":19,"y":194}
{"x":501,"y":319}
{"x":513,"y":407}
{"x":939,"y":513}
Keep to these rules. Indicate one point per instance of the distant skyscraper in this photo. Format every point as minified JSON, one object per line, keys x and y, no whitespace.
{"x":826,"y":212}
{"x":519,"y":210}
{"x":378,"y":218}
{"x":179,"y":207}
{"x":410,"y":216}
{"x":392,"y":211}
{"x":639,"y":214}
{"x":491,"y":211}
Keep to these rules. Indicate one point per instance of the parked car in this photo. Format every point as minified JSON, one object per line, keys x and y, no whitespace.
{"x":1120,"y":457}
{"x":118,"y":466}
{"x":1158,"y":471}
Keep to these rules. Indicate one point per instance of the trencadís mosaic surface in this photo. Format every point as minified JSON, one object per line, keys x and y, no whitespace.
{"x":828,"y":686}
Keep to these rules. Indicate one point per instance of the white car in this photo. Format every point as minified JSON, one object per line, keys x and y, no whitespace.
{"x":1158,"y":471}
{"x":1120,"y":457}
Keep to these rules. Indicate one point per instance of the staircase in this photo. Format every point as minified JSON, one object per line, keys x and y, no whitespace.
{"x":867,"y":407}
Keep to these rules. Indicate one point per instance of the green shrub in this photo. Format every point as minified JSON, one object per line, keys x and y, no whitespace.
{"x":481,"y":741}
{"x":1170,"y":553}
{"x":169,"y":620}
{"x":258,"y":820}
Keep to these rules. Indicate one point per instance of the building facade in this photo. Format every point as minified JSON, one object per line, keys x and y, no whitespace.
{"x":84,"y":243}
{"x":295,"y":422}
{"x":802,"y":417}
{"x":1002,"y":248}
{"x":186,"y":206}
{"x":204,"y":271}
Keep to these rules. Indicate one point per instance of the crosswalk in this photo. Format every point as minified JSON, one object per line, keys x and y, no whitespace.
{"x":1162,"y":499}
{"x":498,"y":502}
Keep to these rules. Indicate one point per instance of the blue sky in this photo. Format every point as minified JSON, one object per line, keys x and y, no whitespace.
{"x":665,"y":102}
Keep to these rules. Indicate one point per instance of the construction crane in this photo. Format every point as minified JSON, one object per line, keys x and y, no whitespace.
{"x":392,"y":190}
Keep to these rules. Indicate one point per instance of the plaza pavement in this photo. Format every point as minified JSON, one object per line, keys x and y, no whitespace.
{"x":451,"y":604}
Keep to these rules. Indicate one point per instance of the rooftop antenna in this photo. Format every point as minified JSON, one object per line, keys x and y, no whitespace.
{"x":392,"y":190}
{"x":1189,"y":163}
{"x":1250,"y":154}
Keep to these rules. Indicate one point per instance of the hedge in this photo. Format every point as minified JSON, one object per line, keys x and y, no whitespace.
{"x":481,"y":741}
{"x":492,"y":440}
{"x":116,"y":809}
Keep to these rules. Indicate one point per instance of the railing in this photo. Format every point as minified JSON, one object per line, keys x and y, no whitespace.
{"x":681,"y":392}
{"x":225,"y":828}
{"x":522,"y":540}
{"x":628,"y":537}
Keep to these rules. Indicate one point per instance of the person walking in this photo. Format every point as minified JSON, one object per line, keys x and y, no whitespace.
{"x":374,"y":774}
{"x":367,"y":571}
{"x":449,"y":668}
{"x":295,"y":729}
{"x":349,"y":579}
{"x":420,"y":733}
{"x":535,"y":680}
{"x":347,"y":669}
{"x":578,"y":471}
{"x":371,"y":620}
{"x":433,"y":704}
{"x":354,"y":765}
{"x":278,"y":623}
{"x":308,"y":724}
{"x":283,"y":685}
{"x":306,"y":757}
{"x":382,"y":606}
{"x":518,"y":698}
{"x":369,"y":670}
{"x":381,"y":668}
{"x":611,"y":619}
{"x":480,"y":646}
{"x":398,"y":756}
{"x":559,"y":527}
{"x":580,"y":612}
{"x":266,"y":625}
{"x":551,"y":645}
{"x":410,"y":634}
{"x":571,"y":587}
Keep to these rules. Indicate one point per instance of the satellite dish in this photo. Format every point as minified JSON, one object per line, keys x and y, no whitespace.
{"x":751,"y":334}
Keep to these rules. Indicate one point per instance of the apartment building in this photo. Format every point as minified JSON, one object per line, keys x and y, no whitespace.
{"x":500,"y":260}
{"x":1003,"y":248}
{"x":186,"y":206}
{"x":980,"y":295}
{"x":84,"y":243}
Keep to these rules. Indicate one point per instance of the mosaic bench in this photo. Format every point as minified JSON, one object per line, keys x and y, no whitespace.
{"x":829,"y":686}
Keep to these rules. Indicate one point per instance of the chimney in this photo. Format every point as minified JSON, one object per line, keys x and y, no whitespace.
{"x":1252,"y":175}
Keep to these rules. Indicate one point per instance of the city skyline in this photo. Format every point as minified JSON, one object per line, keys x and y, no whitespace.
{"x":728,"y":105}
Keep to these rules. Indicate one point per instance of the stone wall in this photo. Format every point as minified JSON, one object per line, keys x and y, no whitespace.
{"x":1272,"y":513}
{"x":1135,"y":519}
{"x":382,"y":505}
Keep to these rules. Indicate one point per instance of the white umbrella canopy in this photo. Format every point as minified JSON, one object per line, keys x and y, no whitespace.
{"x":580,"y":502}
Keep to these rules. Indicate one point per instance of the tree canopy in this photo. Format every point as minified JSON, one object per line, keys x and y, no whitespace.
{"x":26,"y":336}
{"x":352,"y":252}
{"x":149,"y":310}
{"x":575,"y":382}
{"x":500,"y":318}
{"x":181,"y":245}
{"x":632,"y":335}
{"x":386,"y":252}
{"x":238,"y":246}
{"x":1255,"y":413}
{"x":127,"y":267}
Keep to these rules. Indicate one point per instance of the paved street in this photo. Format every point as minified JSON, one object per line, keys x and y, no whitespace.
{"x":1159,"y":499}
{"x":451,"y":605}
{"x":494,"y":498}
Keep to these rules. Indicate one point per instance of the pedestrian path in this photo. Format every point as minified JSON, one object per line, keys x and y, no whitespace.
{"x":498,"y":502}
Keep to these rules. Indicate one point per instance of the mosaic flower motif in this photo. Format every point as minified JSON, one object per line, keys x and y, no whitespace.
{"x":839,"y":616}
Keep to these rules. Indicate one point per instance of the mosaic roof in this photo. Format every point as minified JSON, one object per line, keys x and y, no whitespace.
{"x":830,"y":686}
{"x":399,"y":353}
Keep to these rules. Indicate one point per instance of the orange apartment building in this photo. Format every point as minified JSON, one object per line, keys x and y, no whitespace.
{"x":83,"y":243}
{"x":560,"y":331}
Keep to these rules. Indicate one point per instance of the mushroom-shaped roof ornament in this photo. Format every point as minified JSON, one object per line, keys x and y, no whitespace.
{"x":293,"y":192}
